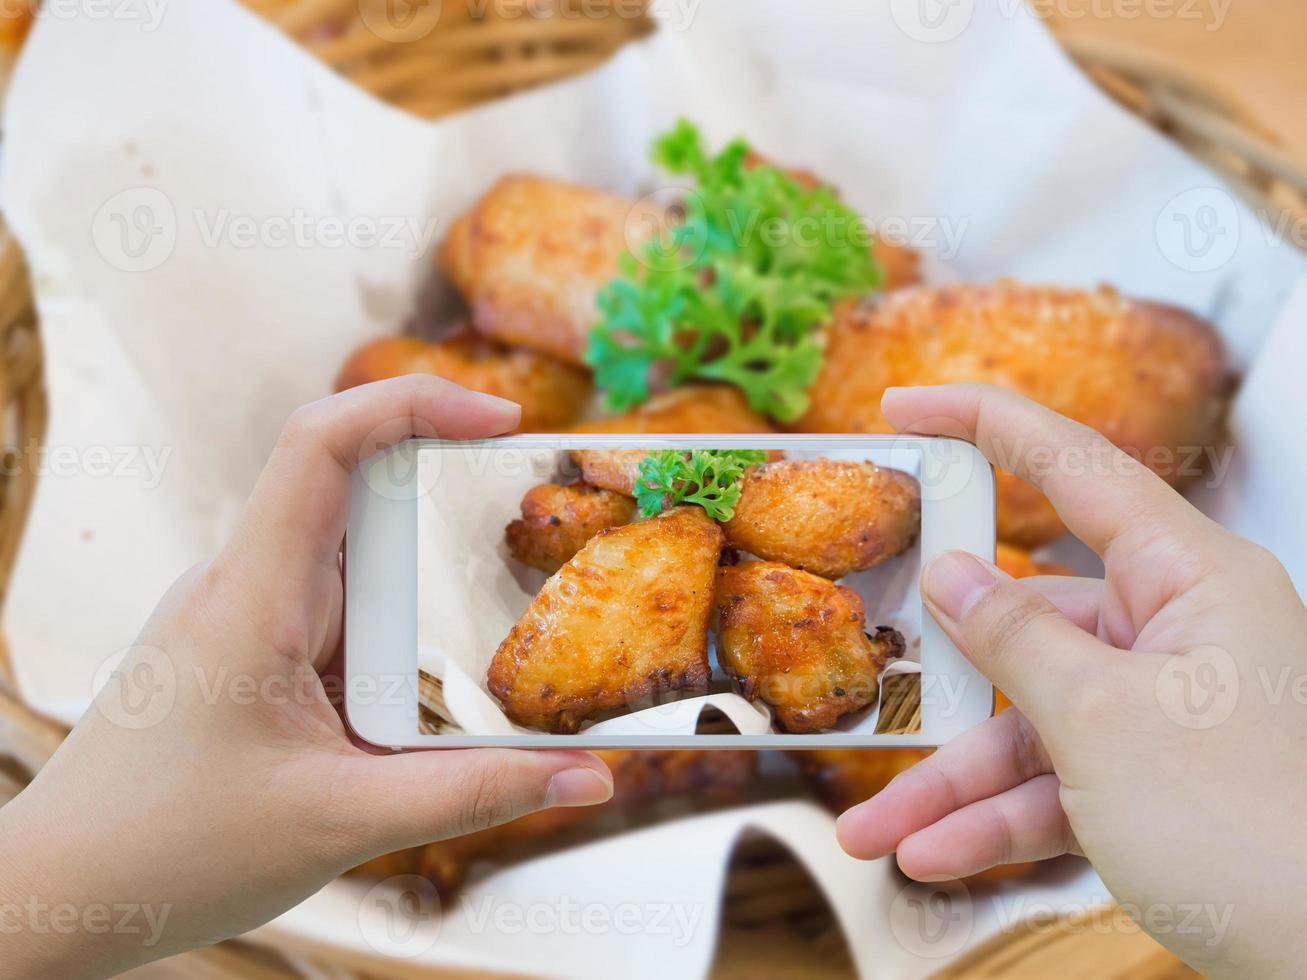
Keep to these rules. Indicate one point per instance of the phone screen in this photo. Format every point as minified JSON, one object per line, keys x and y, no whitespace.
{"x":669,"y":589}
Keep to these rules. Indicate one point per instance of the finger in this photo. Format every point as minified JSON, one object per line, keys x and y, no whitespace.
{"x":296,"y":517}
{"x":1025,"y":823}
{"x":1099,"y":491}
{"x":418,"y":797}
{"x":1078,"y":599}
{"x":1014,"y":636}
{"x":997,"y":755}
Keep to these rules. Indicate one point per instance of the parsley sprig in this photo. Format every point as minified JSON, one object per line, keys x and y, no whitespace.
{"x":706,"y":477}
{"x":735,"y":291}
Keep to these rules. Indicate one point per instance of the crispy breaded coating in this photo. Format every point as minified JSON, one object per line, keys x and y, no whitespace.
{"x":640,"y":780}
{"x":552,"y":394}
{"x":558,"y":521}
{"x":619,"y":469}
{"x":830,"y":517}
{"x":703,"y":409}
{"x":377,"y":360}
{"x":613,"y":469}
{"x":532,"y":254}
{"x":798,"y":642}
{"x":1151,"y":378}
{"x":626,"y":619}
{"x":901,"y":262}
{"x":1020,"y":564}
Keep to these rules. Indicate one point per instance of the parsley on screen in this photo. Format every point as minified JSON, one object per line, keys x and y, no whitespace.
{"x":706,"y":477}
{"x":736,"y":290}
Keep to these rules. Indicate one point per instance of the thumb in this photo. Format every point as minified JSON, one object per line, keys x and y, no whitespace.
{"x":419,"y":797}
{"x":1014,"y":636}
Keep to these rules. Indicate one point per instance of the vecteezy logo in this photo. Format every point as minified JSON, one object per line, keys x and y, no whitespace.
{"x":1199,"y":230}
{"x":136,"y":229}
{"x":1199,"y":689}
{"x":401,"y":916}
{"x":658,"y":233}
{"x":932,"y":920}
{"x":136,"y":688}
{"x":400,"y":21}
{"x":932,"y":21}
{"x":400,"y":472}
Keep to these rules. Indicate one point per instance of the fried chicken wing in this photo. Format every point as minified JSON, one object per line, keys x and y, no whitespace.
{"x":552,"y":394}
{"x":798,"y":642}
{"x":901,"y":262}
{"x":707,"y":409}
{"x":1151,"y":378}
{"x":558,"y":521}
{"x":625,"y":619}
{"x":532,"y":254}
{"x":1021,"y":564}
{"x":613,"y":469}
{"x":640,"y":780}
{"x":827,"y":516}
{"x":377,"y":360}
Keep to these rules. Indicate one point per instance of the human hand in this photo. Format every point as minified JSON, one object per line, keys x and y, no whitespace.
{"x":1159,"y":714}
{"x":212,"y":784}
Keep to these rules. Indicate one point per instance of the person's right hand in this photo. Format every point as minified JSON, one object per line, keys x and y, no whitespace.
{"x":1161,"y":715}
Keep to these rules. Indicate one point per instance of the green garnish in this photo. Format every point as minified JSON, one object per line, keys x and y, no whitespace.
{"x":706,"y":477}
{"x":735,"y":292}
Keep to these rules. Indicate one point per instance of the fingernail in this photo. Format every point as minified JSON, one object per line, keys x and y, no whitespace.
{"x":955,"y":581}
{"x":497,"y":403}
{"x":578,"y":787}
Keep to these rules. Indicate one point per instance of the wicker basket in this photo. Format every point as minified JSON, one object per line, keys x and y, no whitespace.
{"x":472,"y":52}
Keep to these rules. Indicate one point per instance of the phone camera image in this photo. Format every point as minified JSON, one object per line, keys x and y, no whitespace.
{"x":675,"y":589}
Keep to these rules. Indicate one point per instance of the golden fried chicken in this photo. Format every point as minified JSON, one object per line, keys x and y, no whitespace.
{"x":902,"y":263}
{"x":377,"y":360}
{"x":558,"y":521}
{"x":1020,"y":564}
{"x":827,"y":516}
{"x":697,"y":408}
{"x":552,"y":394}
{"x":613,"y":469}
{"x":640,"y":780}
{"x":710,"y":409}
{"x":532,"y":254}
{"x":626,"y":619}
{"x":707,"y":409}
{"x":798,"y":642}
{"x":1151,"y":378}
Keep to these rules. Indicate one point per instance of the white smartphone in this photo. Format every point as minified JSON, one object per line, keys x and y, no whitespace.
{"x":459,"y":633}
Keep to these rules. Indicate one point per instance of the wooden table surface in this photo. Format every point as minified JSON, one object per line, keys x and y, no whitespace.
{"x":1252,"y":48}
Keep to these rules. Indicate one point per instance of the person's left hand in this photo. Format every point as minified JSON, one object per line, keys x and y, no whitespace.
{"x":212,"y":783}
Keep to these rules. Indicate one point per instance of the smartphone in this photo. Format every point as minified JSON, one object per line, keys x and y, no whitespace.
{"x":672,"y":626}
